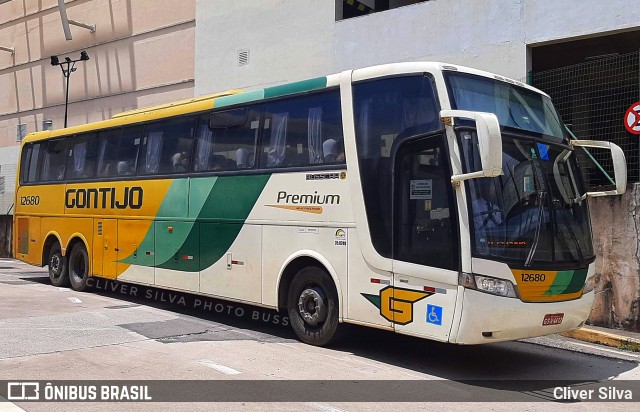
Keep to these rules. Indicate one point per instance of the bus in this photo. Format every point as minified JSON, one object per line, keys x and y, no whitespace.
{"x":423,"y":198}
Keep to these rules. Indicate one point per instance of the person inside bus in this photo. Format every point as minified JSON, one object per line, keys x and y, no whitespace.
{"x":486,"y":214}
{"x":180,"y":162}
{"x":332,"y":152}
{"x":123,"y":168}
{"x":218,"y":162}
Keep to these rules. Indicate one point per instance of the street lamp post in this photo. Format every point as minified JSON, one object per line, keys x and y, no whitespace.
{"x":68,"y":66}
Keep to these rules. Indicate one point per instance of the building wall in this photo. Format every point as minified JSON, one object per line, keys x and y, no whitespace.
{"x":616,"y":223}
{"x":291,"y":40}
{"x":8,"y":165}
{"x":287,"y":40}
{"x":141,"y":54}
{"x":441,"y":30}
{"x":451,"y":31}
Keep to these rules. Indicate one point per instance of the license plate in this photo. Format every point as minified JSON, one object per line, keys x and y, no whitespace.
{"x":552,"y":319}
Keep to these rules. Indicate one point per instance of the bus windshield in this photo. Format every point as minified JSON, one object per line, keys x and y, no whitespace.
{"x":533,"y":212}
{"x":516,"y":107}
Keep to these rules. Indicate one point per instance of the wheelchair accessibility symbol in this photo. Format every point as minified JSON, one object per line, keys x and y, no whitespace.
{"x":434,"y":314}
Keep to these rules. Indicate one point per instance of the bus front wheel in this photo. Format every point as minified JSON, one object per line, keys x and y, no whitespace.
{"x":312,"y":304}
{"x":78,"y":267}
{"x":57,"y":267}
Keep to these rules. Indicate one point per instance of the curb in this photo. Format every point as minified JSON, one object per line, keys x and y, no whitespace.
{"x":604,"y":338}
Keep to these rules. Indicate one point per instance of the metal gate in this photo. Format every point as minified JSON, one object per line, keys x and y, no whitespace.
{"x":592,"y":98}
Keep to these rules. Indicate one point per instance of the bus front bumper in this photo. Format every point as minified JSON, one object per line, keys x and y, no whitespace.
{"x":487,"y":318}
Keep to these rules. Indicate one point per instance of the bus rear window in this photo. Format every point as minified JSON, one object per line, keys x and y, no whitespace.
{"x":29,"y":163}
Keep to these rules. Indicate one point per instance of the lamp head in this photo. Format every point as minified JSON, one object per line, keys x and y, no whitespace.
{"x":67,"y":59}
{"x":55,"y":61}
{"x":84,"y":55}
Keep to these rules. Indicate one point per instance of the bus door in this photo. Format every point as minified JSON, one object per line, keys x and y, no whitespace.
{"x":105,"y":248}
{"x":425,"y":245}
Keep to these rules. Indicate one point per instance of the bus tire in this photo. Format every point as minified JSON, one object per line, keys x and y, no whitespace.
{"x":58,"y":273}
{"x":312,"y":304}
{"x":78,"y":267}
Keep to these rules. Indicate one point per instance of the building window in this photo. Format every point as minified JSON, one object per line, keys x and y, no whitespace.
{"x":21,"y":132}
{"x":346,"y":9}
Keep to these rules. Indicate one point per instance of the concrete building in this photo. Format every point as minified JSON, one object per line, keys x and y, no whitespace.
{"x":288,"y":40}
{"x":585,"y":54}
{"x":140,"y":54}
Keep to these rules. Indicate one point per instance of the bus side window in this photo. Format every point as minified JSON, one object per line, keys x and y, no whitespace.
{"x":302,"y":131}
{"x":385,"y":111}
{"x":54,"y":160}
{"x":29,"y":171}
{"x":81,"y":163}
{"x":167,"y":146}
{"x":118,"y":151}
{"x":227,"y":140}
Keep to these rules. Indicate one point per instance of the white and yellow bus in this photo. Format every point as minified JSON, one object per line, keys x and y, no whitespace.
{"x":425,"y":198}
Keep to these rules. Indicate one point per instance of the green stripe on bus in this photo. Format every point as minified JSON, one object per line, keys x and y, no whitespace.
{"x":230,"y":201}
{"x":566,"y":281}
{"x":173,"y":204}
{"x":297,"y":87}
{"x":238,"y":98}
{"x":375,"y":299}
{"x":233,"y":197}
{"x":199,"y":190}
{"x":560,"y":283}
{"x":577,"y":281}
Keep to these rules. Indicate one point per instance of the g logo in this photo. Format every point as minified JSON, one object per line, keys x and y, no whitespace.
{"x":395,"y":304}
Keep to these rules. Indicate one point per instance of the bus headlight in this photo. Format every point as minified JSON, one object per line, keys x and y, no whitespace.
{"x":487,"y":284}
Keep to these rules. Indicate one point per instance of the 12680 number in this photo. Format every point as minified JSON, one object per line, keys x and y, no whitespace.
{"x":29,"y":200}
{"x":533,"y":277}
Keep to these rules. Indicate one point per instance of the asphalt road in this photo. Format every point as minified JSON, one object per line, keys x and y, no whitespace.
{"x":49,"y":333}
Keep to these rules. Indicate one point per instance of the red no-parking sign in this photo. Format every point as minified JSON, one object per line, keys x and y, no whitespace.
{"x":632,"y":118}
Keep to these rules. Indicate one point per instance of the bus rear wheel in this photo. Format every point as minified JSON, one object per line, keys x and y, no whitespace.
{"x":78,"y":267}
{"x":312,"y":304}
{"x":57,"y":263}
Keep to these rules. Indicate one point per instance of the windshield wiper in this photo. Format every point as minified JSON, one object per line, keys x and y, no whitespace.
{"x":536,"y":236}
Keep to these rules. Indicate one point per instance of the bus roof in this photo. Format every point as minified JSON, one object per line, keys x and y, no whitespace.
{"x":178,"y":103}
{"x":236,"y":96}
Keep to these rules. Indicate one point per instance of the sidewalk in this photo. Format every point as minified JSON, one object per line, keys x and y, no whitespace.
{"x":610,"y":337}
{"x":620,"y":339}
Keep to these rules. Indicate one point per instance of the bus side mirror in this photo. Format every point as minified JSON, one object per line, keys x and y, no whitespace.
{"x":619,"y":166}
{"x":489,"y":142}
